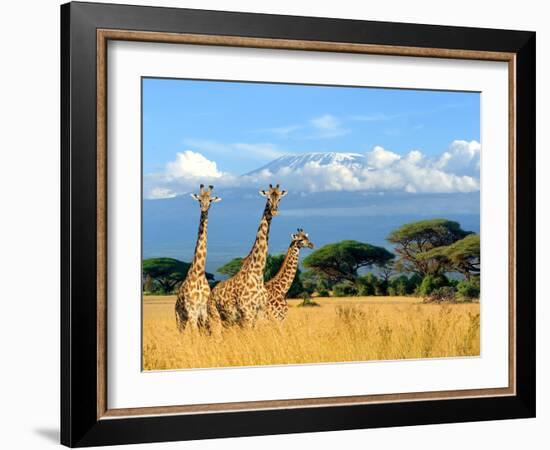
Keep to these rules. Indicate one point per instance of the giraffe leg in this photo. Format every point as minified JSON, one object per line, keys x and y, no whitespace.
{"x":181,"y":315}
{"x":282,"y":310}
{"x":261,"y":306}
{"x":213,"y":319}
{"x":248,"y":317}
{"x":193,"y":322}
{"x":202,"y":318}
{"x":202,"y":307}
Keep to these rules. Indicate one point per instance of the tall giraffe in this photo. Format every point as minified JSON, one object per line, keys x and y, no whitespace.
{"x":192,"y":299}
{"x":242,"y":298}
{"x":279,"y":285}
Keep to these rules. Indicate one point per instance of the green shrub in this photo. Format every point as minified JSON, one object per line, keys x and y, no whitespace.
{"x":431,"y":283}
{"x":453,"y":283}
{"x":367,"y":284}
{"x":468,"y":290}
{"x":401,"y":288}
{"x":413,"y":283}
{"x":323,"y":292}
{"x":366,"y":289}
{"x":381,"y":288}
{"x":399,"y":285}
{"x":344,"y":290}
{"x":307,"y":301}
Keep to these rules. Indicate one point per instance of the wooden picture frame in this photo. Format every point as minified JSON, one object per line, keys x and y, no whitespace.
{"x":85,"y":416}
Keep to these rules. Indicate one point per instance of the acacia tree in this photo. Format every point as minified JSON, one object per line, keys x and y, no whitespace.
{"x":462,"y":256}
{"x":341,"y":261}
{"x":413,"y":239}
{"x":232,"y":267}
{"x":167,"y":273}
{"x":386,"y":271}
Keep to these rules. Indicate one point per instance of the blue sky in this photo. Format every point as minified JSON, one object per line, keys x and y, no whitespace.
{"x":241,"y":126}
{"x":400,"y":155}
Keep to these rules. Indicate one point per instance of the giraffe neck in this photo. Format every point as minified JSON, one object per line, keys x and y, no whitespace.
{"x":287,"y":272}
{"x":199,"y":259}
{"x":254,"y":263}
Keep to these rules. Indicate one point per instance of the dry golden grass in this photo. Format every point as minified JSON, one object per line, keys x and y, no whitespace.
{"x":341,"y":329}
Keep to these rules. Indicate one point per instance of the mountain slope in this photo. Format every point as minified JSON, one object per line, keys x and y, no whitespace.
{"x":294,"y":162}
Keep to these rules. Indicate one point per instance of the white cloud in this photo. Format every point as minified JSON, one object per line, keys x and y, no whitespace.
{"x":414,"y":172}
{"x":327,"y":126}
{"x":380,"y":158}
{"x":159,"y":192}
{"x":455,"y":170}
{"x":385,"y":170}
{"x":189,"y":164}
{"x":411,"y":173}
{"x":184,"y":174}
{"x":414,"y":156}
{"x":312,"y":177}
{"x":462,"y":157}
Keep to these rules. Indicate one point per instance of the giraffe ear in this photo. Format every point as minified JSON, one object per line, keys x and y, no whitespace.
{"x":293,"y":236}
{"x":263,"y":193}
{"x":195,"y":196}
{"x":215,"y":199}
{"x":283,"y":193}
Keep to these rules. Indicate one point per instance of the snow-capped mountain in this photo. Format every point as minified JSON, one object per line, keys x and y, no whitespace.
{"x":294,"y":162}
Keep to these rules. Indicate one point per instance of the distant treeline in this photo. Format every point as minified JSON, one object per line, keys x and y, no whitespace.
{"x":427,"y":252}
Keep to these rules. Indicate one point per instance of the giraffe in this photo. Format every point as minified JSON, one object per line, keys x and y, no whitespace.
{"x":242,"y":299}
{"x":192,"y":299}
{"x":279,"y":285}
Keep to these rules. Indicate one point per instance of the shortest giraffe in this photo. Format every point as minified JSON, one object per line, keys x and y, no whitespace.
{"x":279,"y":285}
{"x":192,"y":299}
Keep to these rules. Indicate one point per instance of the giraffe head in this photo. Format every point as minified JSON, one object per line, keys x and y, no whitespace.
{"x":205,"y":198}
{"x":274,"y":196}
{"x":301,"y":239}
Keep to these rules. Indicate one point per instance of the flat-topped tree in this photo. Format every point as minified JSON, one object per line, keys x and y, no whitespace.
{"x":462,"y":256}
{"x":413,"y":239}
{"x":341,"y":261}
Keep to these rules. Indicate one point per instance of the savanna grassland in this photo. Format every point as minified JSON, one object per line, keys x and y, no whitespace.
{"x":340,"y":329}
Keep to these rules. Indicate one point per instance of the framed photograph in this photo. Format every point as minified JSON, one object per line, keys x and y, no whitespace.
{"x":277,"y":224}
